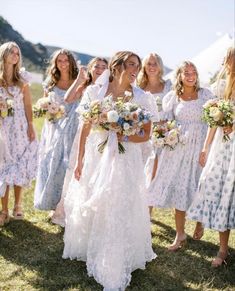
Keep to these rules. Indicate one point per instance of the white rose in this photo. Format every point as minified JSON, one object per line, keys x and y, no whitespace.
{"x":126,"y":126}
{"x":112,"y":116}
{"x":172,"y":138}
{"x":215,"y":113}
{"x":159,"y":142}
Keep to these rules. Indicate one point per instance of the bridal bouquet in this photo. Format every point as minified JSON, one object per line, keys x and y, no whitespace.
{"x":167,"y":134}
{"x":125,"y":118}
{"x":219,"y":112}
{"x":51,"y":109}
{"x":6,"y":107}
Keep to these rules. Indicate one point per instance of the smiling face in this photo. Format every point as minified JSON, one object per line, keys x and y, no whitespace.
{"x":97,"y":69}
{"x":62,"y":63}
{"x":131,"y":68}
{"x":13,"y":57}
{"x":189,"y":76}
{"x":152,"y":67}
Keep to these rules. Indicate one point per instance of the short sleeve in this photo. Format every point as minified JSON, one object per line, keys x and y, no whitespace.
{"x":169,"y":101}
{"x":147,"y":101}
{"x":206,"y":94}
{"x":90,"y":94}
{"x":25,"y":76}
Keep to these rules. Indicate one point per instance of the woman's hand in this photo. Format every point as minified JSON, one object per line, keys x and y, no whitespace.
{"x":82,"y":75}
{"x":31,"y":132}
{"x":227,"y":129}
{"x":203,"y":158}
{"x":78,"y":171}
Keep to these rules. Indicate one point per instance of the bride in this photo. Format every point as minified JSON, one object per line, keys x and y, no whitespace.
{"x":107,"y":220}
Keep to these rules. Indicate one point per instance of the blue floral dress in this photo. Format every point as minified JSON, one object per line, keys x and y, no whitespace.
{"x":19,"y":162}
{"x":214,"y":204}
{"x":178,"y":171}
{"x":55,"y":146}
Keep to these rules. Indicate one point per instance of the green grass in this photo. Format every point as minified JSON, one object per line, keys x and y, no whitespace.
{"x":31,"y":250}
{"x":36,"y":92}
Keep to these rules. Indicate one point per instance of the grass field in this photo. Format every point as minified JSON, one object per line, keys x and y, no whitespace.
{"x":31,"y":250}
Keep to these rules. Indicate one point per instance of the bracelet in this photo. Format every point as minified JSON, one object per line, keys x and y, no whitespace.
{"x":126,"y":138}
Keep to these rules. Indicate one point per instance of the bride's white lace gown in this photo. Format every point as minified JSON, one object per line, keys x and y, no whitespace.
{"x":107,"y":219}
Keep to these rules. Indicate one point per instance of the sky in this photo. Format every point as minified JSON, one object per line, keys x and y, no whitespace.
{"x":175,"y":29}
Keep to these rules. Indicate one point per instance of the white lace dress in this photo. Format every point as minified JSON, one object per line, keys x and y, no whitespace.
{"x":107,"y":219}
{"x":178,"y":171}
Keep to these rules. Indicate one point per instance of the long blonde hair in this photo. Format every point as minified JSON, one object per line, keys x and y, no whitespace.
{"x":142,"y":79}
{"x":53,"y":71}
{"x":178,"y":85}
{"x":229,"y":70}
{"x":5,"y":50}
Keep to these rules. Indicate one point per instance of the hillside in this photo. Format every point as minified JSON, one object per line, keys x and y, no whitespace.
{"x":35,"y":56}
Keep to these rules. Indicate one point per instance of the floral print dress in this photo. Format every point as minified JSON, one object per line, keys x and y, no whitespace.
{"x":19,"y":162}
{"x":178,"y":171}
{"x":54,"y":151}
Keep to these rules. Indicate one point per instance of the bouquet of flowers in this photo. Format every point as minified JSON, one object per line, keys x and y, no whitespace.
{"x":125,"y":118}
{"x":167,"y":134}
{"x":6,"y":107}
{"x":51,"y":109}
{"x":219,"y":112}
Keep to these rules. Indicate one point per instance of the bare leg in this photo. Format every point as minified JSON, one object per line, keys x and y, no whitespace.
{"x":4,"y":216}
{"x":153,"y":176}
{"x":198,"y":231}
{"x":5,"y":200}
{"x":223,"y":250}
{"x":17,"y":212}
{"x":180,"y":238}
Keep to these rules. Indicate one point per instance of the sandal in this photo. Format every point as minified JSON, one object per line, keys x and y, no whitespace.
{"x":18,"y":213}
{"x":177,"y":244}
{"x":4,"y":218}
{"x":198,"y":232}
{"x":220,"y":259}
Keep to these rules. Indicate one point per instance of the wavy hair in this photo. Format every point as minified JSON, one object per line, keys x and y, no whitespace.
{"x":5,"y":50}
{"x":142,"y":79}
{"x":229,"y":71}
{"x":118,"y":60}
{"x":53,"y":71}
{"x":178,"y":85}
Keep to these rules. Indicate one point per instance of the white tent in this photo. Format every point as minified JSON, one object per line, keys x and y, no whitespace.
{"x":209,"y":61}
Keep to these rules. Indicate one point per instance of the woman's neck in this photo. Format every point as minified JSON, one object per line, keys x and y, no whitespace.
{"x":189,"y":90}
{"x":154,"y":85}
{"x":120,"y":86}
{"x":64,"y":77}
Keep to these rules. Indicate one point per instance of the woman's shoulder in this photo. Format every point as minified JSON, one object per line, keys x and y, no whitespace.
{"x":205,"y":93}
{"x":137,"y":91}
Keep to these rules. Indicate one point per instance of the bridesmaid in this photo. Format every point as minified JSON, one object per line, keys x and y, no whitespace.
{"x":57,"y":137}
{"x":179,"y":171}
{"x":19,"y":164}
{"x":214,"y":205}
{"x":151,"y":79}
{"x":94,"y":70}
